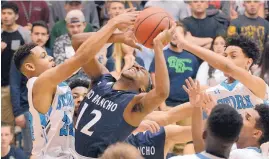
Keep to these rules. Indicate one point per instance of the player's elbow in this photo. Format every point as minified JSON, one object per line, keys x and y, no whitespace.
{"x":163,"y":94}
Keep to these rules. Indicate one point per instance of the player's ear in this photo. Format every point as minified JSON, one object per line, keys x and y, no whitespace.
{"x":29,"y":66}
{"x":249,"y":63}
{"x":204,"y":135}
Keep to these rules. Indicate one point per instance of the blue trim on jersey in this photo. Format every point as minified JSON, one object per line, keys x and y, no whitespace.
{"x":229,"y":86}
{"x":31,"y":126}
{"x":199,"y":155}
{"x":255,"y":149}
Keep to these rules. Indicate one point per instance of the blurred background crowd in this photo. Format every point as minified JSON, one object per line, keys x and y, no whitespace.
{"x":51,"y":25}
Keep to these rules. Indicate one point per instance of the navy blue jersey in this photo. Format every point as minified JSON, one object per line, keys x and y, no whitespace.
{"x":100,"y":122}
{"x":150,"y":145}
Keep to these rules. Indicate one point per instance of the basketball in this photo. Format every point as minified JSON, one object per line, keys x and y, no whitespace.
{"x":149,"y":23}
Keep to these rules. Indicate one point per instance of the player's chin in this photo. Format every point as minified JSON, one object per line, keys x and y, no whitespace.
{"x":128,"y":75}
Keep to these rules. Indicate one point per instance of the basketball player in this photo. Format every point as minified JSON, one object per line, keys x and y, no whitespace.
{"x":242,"y":89}
{"x":156,"y":145}
{"x":254,"y":133}
{"x":79,"y":88}
{"x":113,"y":109}
{"x":222,"y":129}
{"x":51,"y":102}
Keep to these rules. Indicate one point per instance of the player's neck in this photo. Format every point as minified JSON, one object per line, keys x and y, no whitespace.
{"x":10,"y":28}
{"x":230,"y":80}
{"x":251,"y":16}
{"x":175,"y":49}
{"x":124,"y":84}
{"x":5,"y":151}
{"x":218,"y":151}
{"x":199,"y":15}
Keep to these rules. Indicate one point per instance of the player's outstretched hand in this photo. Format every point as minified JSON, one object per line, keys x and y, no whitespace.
{"x":146,"y":125}
{"x":130,"y":39}
{"x":194,"y":92}
{"x":208,"y":103}
{"x":165,"y":36}
{"x":125,"y":18}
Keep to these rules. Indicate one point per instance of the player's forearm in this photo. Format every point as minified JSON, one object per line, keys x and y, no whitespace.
{"x":213,"y":59}
{"x":197,"y":129}
{"x":78,"y":39}
{"x":179,"y":113}
{"x":162,"y":84}
{"x":204,"y":42}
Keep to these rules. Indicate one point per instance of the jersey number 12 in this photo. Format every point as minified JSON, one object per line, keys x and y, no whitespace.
{"x":86,"y":128}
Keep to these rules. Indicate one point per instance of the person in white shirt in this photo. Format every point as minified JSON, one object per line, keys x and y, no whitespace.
{"x":222,"y":130}
{"x":207,"y":75}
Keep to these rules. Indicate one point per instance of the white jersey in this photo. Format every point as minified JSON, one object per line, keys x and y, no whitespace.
{"x":237,"y":95}
{"x":202,"y":155}
{"x":53,"y":132}
{"x":247,"y":153}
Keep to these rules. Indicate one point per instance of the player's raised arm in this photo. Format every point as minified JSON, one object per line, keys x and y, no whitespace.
{"x":241,"y":53}
{"x":45,"y":85}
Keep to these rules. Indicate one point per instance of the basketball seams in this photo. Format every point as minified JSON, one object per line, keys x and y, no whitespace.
{"x":145,"y":19}
{"x":156,"y":28}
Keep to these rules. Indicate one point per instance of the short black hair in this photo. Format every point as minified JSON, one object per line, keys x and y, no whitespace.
{"x":248,"y":46}
{"x":10,"y":5}
{"x":263,"y":122}
{"x":23,"y":52}
{"x":79,"y":82}
{"x":225,"y":123}
{"x":40,"y":23}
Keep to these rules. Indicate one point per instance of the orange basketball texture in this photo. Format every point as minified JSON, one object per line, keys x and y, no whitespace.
{"x":149,"y":23}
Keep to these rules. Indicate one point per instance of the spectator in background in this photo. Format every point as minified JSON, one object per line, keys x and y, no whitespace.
{"x":207,"y":75}
{"x":181,"y":65}
{"x":31,"y":11}
{"x":62,"y":50}
{"x":223,"y":6}
{"x":79,"y":88}
{"x":40,"y":35}
{"x":59,"y":11}
{"x":251,"y":24}
{"x":13,"y":36}
{"x":60,"y":27}
{"x":199,"y":24}
{"x":19,"y":96}
{"x":178,"y":9}
{"x":263,"y":70}
{"x":7,"y":151}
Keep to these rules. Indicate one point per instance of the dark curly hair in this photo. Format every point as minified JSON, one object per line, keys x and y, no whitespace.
{"x":225,"y":122}
{"x":248,"y":46}
{"x":21,"y":54}
{"x":263,"y":122}
{"x":79,"y":82}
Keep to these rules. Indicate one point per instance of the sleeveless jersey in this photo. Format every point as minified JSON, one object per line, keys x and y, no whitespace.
{"x":150,"y":145}
{"x":100,"y":122}
{"x":53,"y":132}
{"x":237,"y":95}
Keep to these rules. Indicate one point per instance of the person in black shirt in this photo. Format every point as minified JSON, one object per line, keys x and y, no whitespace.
{"x":201,"y":25}
{"x":8,"y":151}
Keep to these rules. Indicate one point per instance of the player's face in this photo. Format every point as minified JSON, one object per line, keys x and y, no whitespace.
{"x":115,"y":9}
{"x":39,"y":61}
{"x":6,"y":136}
{"x":252,"y":7}
{"x":236,"y":55}
{"x":8,"y":17}
{"x":78,"y":95}
{"x":199,"y":6}
{"x":138,"y":74}
{"x":219,"y":45}
{"x":75,"y":28}
{"x":249,"y":135}
{"x":40,"y":35}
